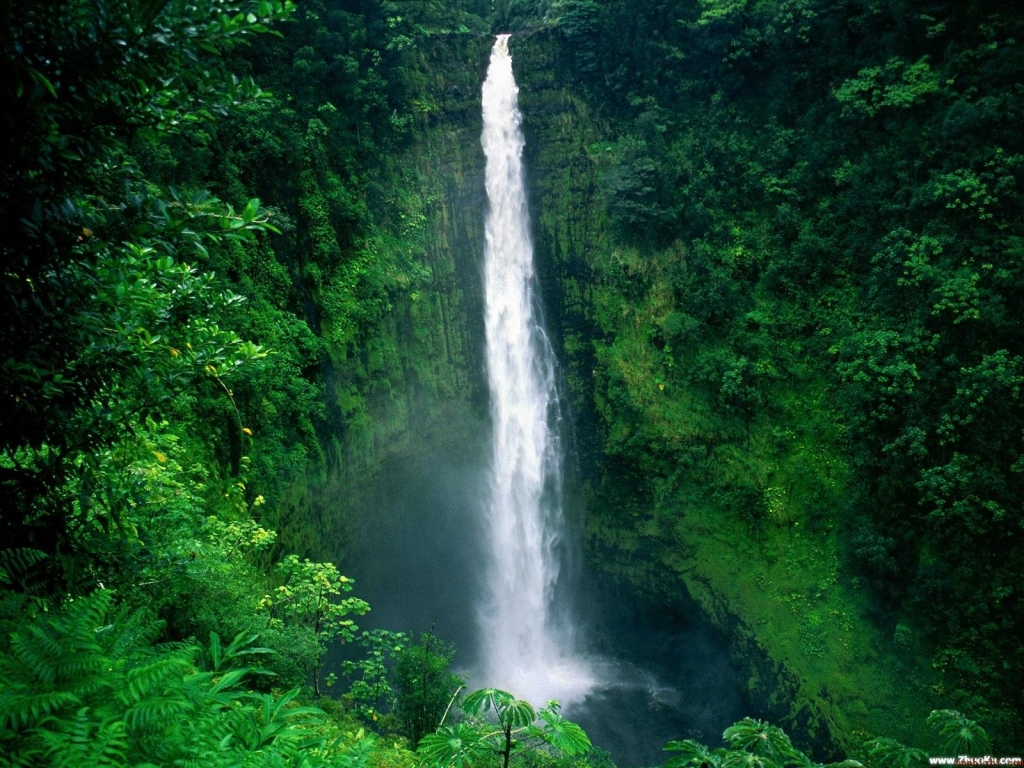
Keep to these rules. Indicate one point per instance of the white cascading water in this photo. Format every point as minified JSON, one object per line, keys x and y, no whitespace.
{"x":525,"y":649}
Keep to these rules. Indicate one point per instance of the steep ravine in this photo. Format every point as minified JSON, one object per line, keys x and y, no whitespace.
{"x":657,"y":532}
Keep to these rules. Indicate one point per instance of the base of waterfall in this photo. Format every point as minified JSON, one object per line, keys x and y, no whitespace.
{"x":575,"y":680}
{"x":627,"y":709}
{"x":632,"y":714}
{"x":567,"y":680}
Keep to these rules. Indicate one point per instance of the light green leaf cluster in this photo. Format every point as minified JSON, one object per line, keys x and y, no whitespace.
{"x":758,"y":744}
{"x":310,"y":595}
{"x":895,"y":85}
{"x":87,"y":686}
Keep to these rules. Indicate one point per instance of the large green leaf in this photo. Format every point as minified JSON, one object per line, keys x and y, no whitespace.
{"x":962,"y":735}
{"x":562,"y":734}
{"x":891,"y":754}
{"x":735,"y":758}
{"x":484,"y":700}
{"x":760,"y":738}
{"x":452,"y":746}
{"x":510,"y":711}
{"x":691,"y":753}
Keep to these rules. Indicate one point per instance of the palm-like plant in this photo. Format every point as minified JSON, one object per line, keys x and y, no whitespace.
{"x":519,"y":728}
{"x":892,"y":754}
{"x":692,"y":754}
{"x":760,"y":739}
{"x":754,"y":744}
{"x":962,"y":735}
{"x":453,"y":746}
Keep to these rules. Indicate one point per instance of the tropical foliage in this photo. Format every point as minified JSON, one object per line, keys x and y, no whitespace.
{"x":785,"y":288}
{"x":519,"y":729}
{"x":783,"y":248}
{"x":757,"y":744}
{"x":89,"y":686}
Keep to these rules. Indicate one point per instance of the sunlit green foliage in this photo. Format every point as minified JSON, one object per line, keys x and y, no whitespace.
{"x":309,"y":597}
{"x":106,"y":321}
{"x":787,"y":287}
{"x":425,"y":686}
{"x":520,"y":729}
{"x":370,"y":688}
{"x":88,"y":686}
{"x":758,"y":744}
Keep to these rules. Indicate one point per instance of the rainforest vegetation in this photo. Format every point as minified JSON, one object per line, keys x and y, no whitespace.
{"x":781,"y":244}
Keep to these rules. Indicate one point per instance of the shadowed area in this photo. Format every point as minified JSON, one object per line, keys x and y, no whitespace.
{"x":416,"y":557}
{"x":416,"y":560}
{"x":665,"y":676}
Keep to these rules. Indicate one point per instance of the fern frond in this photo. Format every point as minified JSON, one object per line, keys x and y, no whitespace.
{"x":87,"y":614}
{"x":72,"y":670}
{"x":44,"y":642}
{"x":155,"y":714}
{"x":197,"y":685}
{"x":150,"y":679}
{"x":84,"y":741}
{"x":17,"y":562}
{"x":89,"y":687}
{"x":222,"y":730}
{"x":111,"y":746}
{"x":21,"y":754}
{"x":20,"y":710}
{"x":36,"y":667}
{"x":130,"y":631}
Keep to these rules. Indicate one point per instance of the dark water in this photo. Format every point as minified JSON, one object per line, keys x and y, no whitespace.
{"x":670,"y":677}
{"x":416,"y":561}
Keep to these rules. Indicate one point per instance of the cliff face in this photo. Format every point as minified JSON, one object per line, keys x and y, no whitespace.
{"x":408,"y":384}
{"x":779,"y":259}
{"x":736,"y":506}
{"x":422,"y":361}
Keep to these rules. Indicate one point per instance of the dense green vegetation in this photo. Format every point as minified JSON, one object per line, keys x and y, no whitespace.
{"x":166,"y":370}
{"x":782,"y":251}
{"x":784,"y":242}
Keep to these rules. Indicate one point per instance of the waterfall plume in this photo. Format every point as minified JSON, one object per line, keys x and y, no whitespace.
{"x":526,"y":646}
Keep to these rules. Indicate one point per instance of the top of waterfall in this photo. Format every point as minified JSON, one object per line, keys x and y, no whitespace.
{"x":501,"y":41}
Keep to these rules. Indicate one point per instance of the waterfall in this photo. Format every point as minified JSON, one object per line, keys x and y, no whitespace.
{"x":526,"y":648}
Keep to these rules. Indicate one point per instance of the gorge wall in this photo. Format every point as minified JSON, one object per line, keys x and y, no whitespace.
{"x":688,"y":499}
{"x":734,"y":506}
{"x":779,"y":305}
